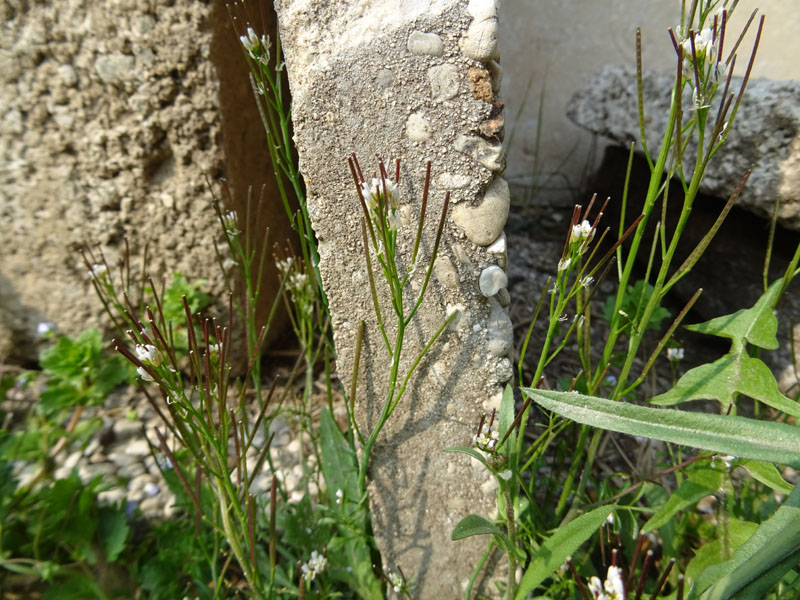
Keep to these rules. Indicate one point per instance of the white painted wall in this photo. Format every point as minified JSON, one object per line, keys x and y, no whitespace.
{"x":552,"y":47}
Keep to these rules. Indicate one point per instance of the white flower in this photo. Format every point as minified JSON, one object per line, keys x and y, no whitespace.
{"x":395,"y":581}
{"x":581,"y":232}
{"x":674,"y":354}
{"x":45,"y":327}
{"x":98,"y":271}
{"x":614,"y":586}
{"x":505,"y":475}
{"x":229,"y":221}
{"x":564,"y":264}
{"x":249,"y":40}
{"x":587,"y":281}
{"x":214,"y":349}
{"x":487,"y":439}
{"x":339,"y":496}
{"x":315,"y":565}
{"x":149,"y":354}
{"x":376,"y":190}
{"x":144,"y":374}
{"x":392,"y":219}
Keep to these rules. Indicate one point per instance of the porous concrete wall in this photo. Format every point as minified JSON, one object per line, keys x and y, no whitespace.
{"x":110,"y":117}
{"x":415,"y":80}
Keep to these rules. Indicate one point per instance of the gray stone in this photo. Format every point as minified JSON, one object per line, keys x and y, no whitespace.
{"x":417,"y":128}
{"x":114,"y":68}
{"x":499,"y":332}
{"x":492,"y":280}
{"x":764,"y":137}
{"x":492,"y":156}
{"x":444,"y":81}
{"x":484,"y":223}
{"x":480,"y":40}
{"x":425,"y":43}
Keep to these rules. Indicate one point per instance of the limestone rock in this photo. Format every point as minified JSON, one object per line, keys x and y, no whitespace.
{"x":425,"y":43}
{"x":484,"y":223}
{"x":492,"y":280}
{"x":765,"y":136}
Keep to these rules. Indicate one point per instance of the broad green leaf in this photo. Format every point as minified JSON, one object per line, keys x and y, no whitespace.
{"x":701,"y":483}
{"x":767,"y":474}
{"x":774,"y":545}
{"x":339,"y":464}
{"x":725,"y":378}
{"x":475,"y":525}
{"x":340,"y":469}
{"x":756,"y":325}
{"x":563,"y":543}
{"x":471,"y":452}
{"x":713,"y":552}
{"x":112,"y":529}
{"x":736,"y":436}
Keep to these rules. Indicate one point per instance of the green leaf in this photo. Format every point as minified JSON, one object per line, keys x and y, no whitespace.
{"x":767,"y":474}
{"x":737,"y":436}
{"x":713,"y":552}
{"x":701,"y":483}
{"x":633,"y":302}
{"x":475,"y":525}
{"x":756,"y":325}
{"x":762,"y":560}
{"x":563,"y":543}
{"x":725,"y":378}
{"x":112,"y":529}
{"x":339,"y":463}
{"x":471,"y":452}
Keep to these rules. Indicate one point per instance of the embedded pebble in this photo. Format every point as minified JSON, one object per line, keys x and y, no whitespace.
{"x":492,"y":156}
{"x":450,"y":181}
{"x":114,"y":68}
{"x":425,"y":43}
{"x":445,"y":272}
{"x":503,"y":370}
{"x":417,"y":128}
{"x":492,"y":280}
{"x":480,"y":40}
{"x":497,"y":75}
{"x":500,"y":331}
{"x":444,"y":81}
{"x":138,"y":447}
{"x":482,"y":224}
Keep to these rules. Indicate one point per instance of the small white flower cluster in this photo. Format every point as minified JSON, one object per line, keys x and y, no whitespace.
{"x":257,"y":48}
{"x":339,"y":496}
{"x":487,"y":438}
{"x":581,"y":232}
{"x":149,"y":355}
{"x":229,"y":222}
{"x":386,"y":190}
{"x":674,"y":354}
{"x":612,"y":588}
{"x":98,"y":271}
{"x":395,"y":581}
{"x":705,"y":50}
{"x":315,"y":565}
{"x":214,"y":349}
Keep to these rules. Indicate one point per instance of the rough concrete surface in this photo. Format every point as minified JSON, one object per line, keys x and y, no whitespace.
{"x":409,"y":80}
{"x":764,"y":136}
{"x":110,"y":117}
